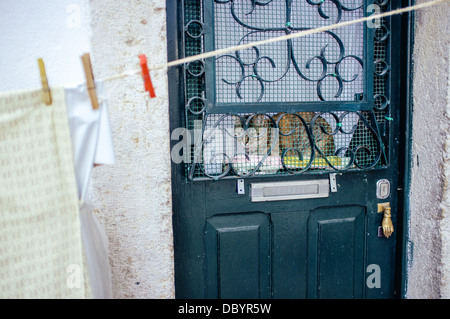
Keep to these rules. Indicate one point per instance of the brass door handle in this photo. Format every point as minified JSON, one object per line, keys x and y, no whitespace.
{"x":386,"y":224}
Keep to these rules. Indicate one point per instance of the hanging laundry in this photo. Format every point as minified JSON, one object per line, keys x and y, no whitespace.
{"x":41,"y":253}
{"x":91,"y":144}
{"x":95,"y":243}
{"x":90,"y":131}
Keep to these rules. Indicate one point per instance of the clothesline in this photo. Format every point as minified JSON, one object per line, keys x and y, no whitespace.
{"x":275,"y":39}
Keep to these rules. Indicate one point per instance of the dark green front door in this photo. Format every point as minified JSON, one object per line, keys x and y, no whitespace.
{"x":282,"y":153}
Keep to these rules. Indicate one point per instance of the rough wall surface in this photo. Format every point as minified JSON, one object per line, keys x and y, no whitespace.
{"x":133,"y":197}
{"x":430,"y":127}
{"x":54,"y":30}
{"x":445,"y":222}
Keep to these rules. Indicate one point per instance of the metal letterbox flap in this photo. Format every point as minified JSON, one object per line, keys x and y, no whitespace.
{"x":261,"y":192}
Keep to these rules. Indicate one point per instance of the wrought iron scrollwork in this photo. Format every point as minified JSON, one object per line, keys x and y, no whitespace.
{"x":237,"y":144}
{"x":284,"y":143}
{"x":326,"y":65}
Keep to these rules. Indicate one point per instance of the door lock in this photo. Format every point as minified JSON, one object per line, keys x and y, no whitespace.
{"x":386,"y":224}
{"x":383,"y":189}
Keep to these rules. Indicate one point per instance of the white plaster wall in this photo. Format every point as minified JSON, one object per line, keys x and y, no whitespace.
{"x":55,"y":30}
{"x":445,"y":222}
{"x":430,"y":129}
{"x":133,"y":197}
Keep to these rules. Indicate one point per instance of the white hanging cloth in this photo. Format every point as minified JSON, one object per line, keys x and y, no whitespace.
{"x":90,"y":131}
{"x":91,"y":144}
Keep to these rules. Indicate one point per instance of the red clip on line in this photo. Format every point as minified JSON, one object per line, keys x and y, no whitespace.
{"x":146,"y":76}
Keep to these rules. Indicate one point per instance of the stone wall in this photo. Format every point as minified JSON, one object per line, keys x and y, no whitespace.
{"x":430,"y":129}
{"x":133,"y":197}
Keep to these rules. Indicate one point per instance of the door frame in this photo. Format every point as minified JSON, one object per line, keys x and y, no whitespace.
{"x":176,"y":120}
{"x":404,"y":250}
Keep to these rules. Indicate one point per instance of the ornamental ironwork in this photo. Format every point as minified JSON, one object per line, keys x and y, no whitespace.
{"x":291,"y":107}
{"x":327,"y":66}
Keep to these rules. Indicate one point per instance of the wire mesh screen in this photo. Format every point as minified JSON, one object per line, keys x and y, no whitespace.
{"x":321,"y":68}
{"x":289,"y":143}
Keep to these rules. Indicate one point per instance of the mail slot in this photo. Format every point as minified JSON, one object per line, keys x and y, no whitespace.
{"x":264,"y":192}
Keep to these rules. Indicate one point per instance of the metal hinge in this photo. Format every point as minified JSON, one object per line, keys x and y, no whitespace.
{"x":240,"y":187}
{"x":333,"y":186}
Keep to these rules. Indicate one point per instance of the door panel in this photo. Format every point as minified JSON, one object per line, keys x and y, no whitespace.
{"x":317,"y":254}
{"x":238,"y":256}
{"x":336,"y":247}
{"x":290,"y":254}
{"x":293,"y":249}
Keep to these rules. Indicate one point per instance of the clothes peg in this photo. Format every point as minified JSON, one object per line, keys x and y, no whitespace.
{"x":46,"y":93}
{"x":146,"y":76}
{"x":90,"y":84}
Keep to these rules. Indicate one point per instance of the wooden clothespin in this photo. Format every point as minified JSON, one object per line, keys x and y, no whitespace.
{"x":46,"y":93}
{"x":146,"y":76}
{"x":90,"y":84}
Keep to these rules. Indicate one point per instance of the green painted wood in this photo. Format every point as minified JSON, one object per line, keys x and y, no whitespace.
{"x":336,"y":249}
{"x":238,"y":256}
{"x":228,"y":247}
{"x":289,"y":254}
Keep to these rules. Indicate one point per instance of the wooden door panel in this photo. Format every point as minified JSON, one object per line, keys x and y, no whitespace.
{"x":289,"y":254}
{"x":317,"y":254}
{"x":336,"y":245}
{"x":238,"y":256}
